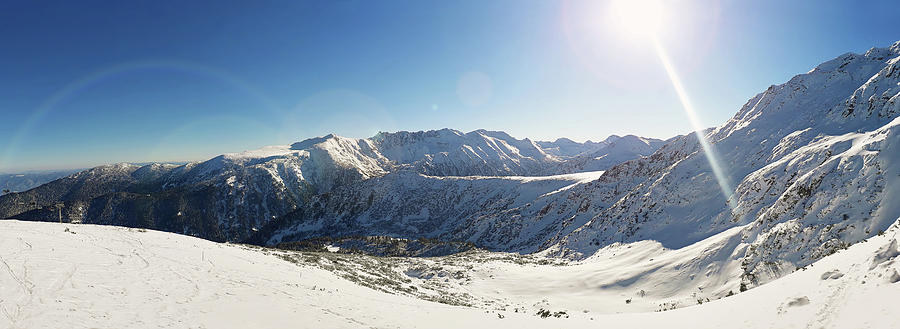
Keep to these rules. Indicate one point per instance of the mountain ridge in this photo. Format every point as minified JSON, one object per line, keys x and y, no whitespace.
{"x":234,"y":194}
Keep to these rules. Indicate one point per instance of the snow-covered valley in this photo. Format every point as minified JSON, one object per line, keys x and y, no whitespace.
{"x":88,"y":276}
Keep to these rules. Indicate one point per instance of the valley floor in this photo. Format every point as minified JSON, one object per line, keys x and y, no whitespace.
{"x":86,"y":276}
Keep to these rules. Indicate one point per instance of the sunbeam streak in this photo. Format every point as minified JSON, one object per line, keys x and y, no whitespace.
{"x":724,"y":182}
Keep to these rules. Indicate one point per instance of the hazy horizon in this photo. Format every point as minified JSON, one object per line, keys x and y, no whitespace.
{"x":202,"y":157}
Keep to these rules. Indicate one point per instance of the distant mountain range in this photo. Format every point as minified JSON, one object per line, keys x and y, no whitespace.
{"x":27,"y":180}
{"x":233,"y":196}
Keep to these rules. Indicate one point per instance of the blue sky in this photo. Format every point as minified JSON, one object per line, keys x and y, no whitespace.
{"x":84,"y":83}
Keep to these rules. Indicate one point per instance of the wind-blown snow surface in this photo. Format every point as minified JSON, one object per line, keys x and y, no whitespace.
{"x":86,"y":276}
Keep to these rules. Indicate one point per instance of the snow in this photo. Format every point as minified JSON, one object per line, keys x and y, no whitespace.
{"x":263,"y":152}
{"x":252,"y":188}
{"x":87,"y":276}
{"x":412,"y":205}
{"x":111,"y":277}
{"x":815,"y":159}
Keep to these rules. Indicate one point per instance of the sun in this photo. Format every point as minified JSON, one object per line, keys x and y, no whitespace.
{"x":637,"y":18}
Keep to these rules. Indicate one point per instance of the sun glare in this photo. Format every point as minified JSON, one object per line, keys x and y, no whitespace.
{"x":637,"y":18}
{"x":642,"y":22}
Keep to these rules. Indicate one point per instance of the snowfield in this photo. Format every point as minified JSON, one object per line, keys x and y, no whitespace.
{"x":86,"y":276}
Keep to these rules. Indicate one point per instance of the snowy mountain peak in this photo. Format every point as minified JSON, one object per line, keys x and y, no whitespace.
{"x":611,"y":138}
{"x":881,"y":53}
{"x":231,"y":193}
{"x":309,"y":142}
{"x":632,"y":139}
{"x":814,"y":161}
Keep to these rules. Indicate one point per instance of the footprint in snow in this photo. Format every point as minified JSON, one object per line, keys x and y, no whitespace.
{"x":799,"y":301}
{"x":793,"y":302}
{"x":893,"y":277}
{"x":831,"y":275}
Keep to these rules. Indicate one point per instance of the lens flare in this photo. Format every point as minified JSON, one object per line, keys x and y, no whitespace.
{"x":644,"y":19}
{"x":724,"y":182}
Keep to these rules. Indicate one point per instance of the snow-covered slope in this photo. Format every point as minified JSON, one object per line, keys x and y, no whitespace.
{"x":229,"y":197}
{"x":814,"y":163}
{"x":615,"y":150}
{"x":83,"y":185}
{"x":564,"y":147}
{"x":83,"y":276}
{"x":223,"y":198}
{"x":502,"y":213}
{"x":449,"y":152}
{"x":86,"y":276}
